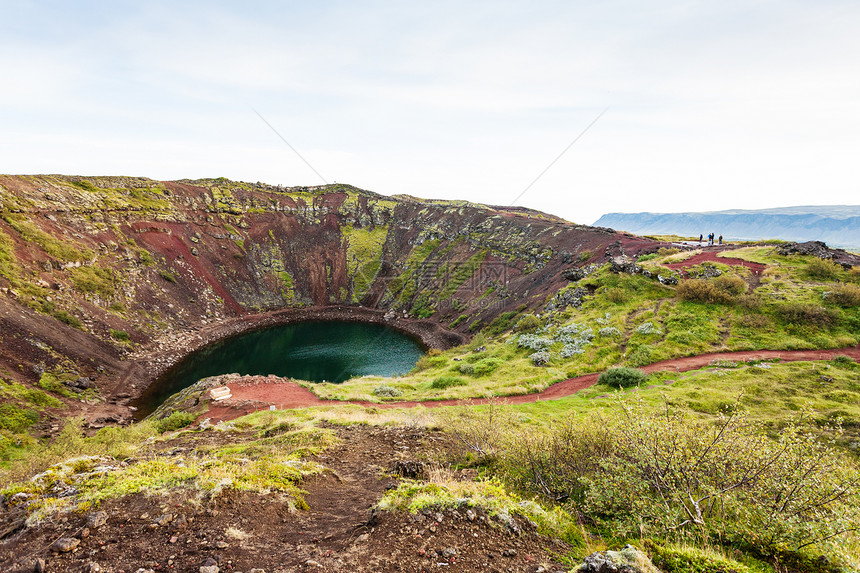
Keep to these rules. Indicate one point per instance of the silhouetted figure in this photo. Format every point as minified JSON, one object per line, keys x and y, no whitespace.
{"x":700,"y":239}
{"x":721,"y":239}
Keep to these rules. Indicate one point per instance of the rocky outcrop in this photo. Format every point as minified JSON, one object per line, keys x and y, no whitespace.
{"x":627,"y":560}
{"x":820,"y":250}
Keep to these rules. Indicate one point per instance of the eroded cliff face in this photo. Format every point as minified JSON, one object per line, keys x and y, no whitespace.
{"x":99,"y":274}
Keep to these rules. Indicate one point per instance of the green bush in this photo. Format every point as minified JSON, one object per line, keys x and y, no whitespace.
{"x":721,"y":290}
{"x":466,"y":368}
{"x":67,"y":318}
{"x":174,"y":421}
{"x":800,"y":314}
{"x":616,"y":295}
{"x":120,"y":335}
{"x":502,"y":323}
{"x":622,"y":377}
{"x":16,"y":419}
{"x":169,"y":277}
{"x":639,"y":472}
{"x":487,"y":365}
{"x":846,"y":295}
{"x":384,"y":391}
{"x":822,"y":270}
{"x":443,"y":382}
{"x":527,"y":323}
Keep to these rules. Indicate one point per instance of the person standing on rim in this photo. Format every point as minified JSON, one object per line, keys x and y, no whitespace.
{"x":700,"y":239}
{"x":721,"y":239}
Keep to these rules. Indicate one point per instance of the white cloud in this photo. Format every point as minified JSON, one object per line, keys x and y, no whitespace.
{"x":712,"y":105}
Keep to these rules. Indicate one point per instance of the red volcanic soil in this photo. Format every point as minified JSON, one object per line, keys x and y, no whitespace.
{"x":253,"y":393}
{"x":711,"y":257}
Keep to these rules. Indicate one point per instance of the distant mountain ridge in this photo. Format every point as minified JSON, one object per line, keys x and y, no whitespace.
{"x":836,"y":225}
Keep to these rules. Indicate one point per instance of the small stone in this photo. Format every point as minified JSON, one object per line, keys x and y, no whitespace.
{"x":311,"y":563}
{"x":362,"y":538}
{"x":65,"y":544}
{"x":85,"y":532}
{"x":174,"y":539}
{"x":162,"y":520}
{"x":470,"y":515}
{"x":208,"y":569}
{"x":511,"y":552}
{"x":449,"y":552}
{"x":257,"y":570}
{"x":221,"y":545}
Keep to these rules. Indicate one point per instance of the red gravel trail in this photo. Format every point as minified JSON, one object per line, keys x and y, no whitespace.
{"x":711,"y":257}
{"x":254,"y":393}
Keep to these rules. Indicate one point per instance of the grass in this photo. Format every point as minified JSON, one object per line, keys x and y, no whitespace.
{"x":363,"y":256}
{"x":442,"y":490}
{"x":93,"y":279}
{"x":274,"y":463}
{"x":56,"y":248}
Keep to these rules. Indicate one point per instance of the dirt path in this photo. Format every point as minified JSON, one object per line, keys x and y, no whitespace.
{"x":259,"y":393}
{"x":713,"y":257}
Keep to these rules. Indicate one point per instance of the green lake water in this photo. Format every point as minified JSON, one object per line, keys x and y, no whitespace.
{"x":331,"y":351}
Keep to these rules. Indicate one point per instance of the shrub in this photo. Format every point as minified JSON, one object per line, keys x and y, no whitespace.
{"x":120,"y":335}
{"x":647,"y":328}
{"x":443,"y":382}
{"x":644,"y":473}
{"x":721,"y":290}
{"x":502,"y":323}
{"x":609,"y":332}
{"x":169,"y":277}
{"x":15,"y":419}
{"x":540,"y":358}
{"x":730,"y":285}
{"x":822,"y":270}
{"x":67,"y":318}
{"x":466,"y":368}
{"x":622,"y":377}
{"x":843,"y":360}
{"x":384,"y":391}
{"x":799,"y":314}
{"x":847,"y":295}
{"x":616,"y":295}
{"x":534,"y":342}
{"x":571,"y":350}
{"x":174,"y":421}
{"x":487,"y":365}
{"x":527,"y":323}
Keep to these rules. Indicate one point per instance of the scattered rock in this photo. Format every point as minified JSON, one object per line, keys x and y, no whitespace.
{"x":64,"y":544}
{"x":449,"y":552}
{"x":628,"y":560}
{"x":408,"y":468}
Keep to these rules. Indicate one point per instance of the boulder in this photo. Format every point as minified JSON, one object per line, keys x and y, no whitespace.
{"x":628,"y":560}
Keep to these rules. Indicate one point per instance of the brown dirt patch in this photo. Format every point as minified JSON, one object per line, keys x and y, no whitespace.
{"x":338,"y":532}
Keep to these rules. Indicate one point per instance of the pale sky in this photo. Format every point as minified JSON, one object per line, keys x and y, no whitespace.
{"x":709,"y":104}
